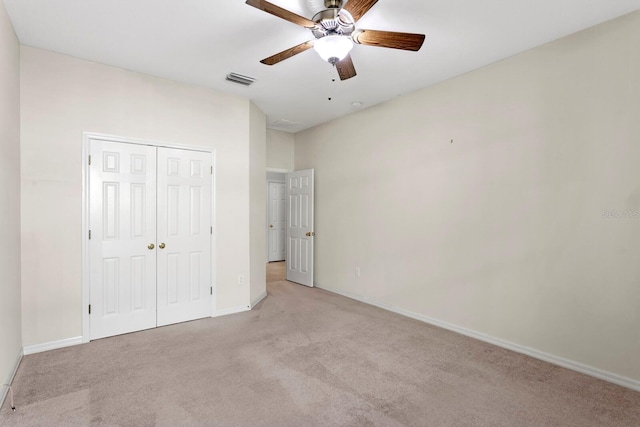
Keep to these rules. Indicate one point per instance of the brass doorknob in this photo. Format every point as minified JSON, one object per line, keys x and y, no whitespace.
{"x":151,"y":246}
{"x":270,"y":225}
{"x":161,"y":245}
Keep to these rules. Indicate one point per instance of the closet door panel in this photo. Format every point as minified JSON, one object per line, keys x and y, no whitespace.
{"x":122,"y":220}
{"x":184,"y":235}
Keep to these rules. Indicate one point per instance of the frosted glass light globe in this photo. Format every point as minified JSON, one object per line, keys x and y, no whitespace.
{"x":333,"y":48}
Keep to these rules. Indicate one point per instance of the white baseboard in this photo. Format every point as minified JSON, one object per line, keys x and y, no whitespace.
{"x":232,"y":310}
{"x":260,"y":298}
{"x":39,"y":348}
{"x":4,"y":391}
{"x":556,"y":360}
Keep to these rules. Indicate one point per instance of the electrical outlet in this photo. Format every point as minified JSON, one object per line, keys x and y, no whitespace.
{"x":240,"y":279}
{"x":357,"y":271}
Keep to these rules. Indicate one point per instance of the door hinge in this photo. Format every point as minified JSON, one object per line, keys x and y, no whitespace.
{"x":89,"y":160}
{"x":89,"y":234}
{"x":212,"y":229}
{"x":89,"y":308}
{"x":211,"y":290}
{"x":211,"y":170}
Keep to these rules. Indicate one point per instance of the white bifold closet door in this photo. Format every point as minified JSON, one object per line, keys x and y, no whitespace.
{"x":150,"y":244}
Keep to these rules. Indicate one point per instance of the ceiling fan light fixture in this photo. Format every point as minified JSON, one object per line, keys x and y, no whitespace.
{"x":333,"y":48}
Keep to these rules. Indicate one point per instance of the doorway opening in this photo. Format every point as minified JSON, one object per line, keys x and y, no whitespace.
{"x":290,"y":224}
{"x":276,"y":226}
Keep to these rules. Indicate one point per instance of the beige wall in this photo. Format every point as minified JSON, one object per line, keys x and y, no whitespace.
{"x":62,"y":97}
{"x":10,"y":327}
{"x":258,"y":204}
{"x":280,"y":150}
{"x":505,"y":230}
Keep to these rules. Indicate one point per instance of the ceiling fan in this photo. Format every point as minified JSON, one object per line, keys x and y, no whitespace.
{"x":335,"y":33}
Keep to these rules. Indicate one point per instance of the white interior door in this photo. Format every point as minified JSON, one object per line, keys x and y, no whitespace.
{"x":300,"y":234}
{"x":277,"y":223}
{"x":184,"y":235}
{"x":122,"y":223}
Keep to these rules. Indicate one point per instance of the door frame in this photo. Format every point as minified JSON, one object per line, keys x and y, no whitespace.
{"x":86,"y":138}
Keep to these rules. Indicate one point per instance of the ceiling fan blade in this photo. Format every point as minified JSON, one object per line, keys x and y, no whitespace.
{"x":281,"y":13}
{"x":357,"y":8}
{"x":286,"y":54}
{"x":393,"y":40}
{"x":345,"y":68}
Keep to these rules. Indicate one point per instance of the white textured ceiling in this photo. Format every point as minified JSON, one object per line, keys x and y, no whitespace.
{"x":201,"y":41}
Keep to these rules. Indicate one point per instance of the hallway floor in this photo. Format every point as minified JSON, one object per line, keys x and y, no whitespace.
{"x":276,"y":271}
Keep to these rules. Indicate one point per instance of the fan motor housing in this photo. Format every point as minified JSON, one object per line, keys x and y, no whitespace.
{"x":333,"y":21}
{"x":333,"y":4}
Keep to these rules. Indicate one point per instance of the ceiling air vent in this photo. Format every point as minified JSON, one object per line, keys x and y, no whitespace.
{"x":284,"y":123}
{"x":240,"y":79}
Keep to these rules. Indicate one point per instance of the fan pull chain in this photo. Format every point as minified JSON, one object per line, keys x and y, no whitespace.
{"x":332,"y":79}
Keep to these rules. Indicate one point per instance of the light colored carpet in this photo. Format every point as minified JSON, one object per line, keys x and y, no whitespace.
{"x":306,"y":357}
